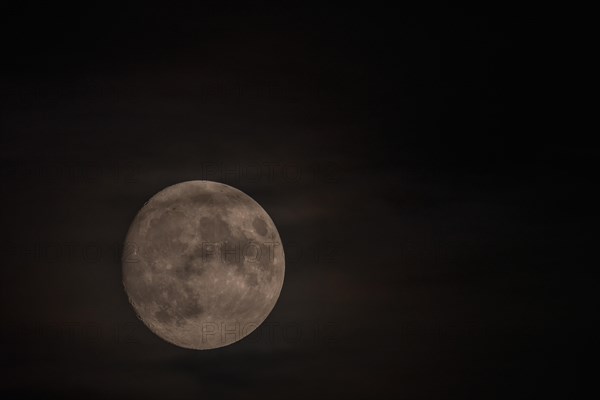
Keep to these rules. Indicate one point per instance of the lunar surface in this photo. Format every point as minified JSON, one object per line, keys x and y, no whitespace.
{"x":203,"y":264}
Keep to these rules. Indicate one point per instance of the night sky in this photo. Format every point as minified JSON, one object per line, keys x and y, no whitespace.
{"x":432,"y":226}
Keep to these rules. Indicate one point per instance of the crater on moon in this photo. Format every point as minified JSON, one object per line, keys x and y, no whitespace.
{"x":204,"y":265}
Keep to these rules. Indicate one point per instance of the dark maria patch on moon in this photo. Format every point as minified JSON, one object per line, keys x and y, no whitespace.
{"x":204,"y":264}
{"x":260,"y":226}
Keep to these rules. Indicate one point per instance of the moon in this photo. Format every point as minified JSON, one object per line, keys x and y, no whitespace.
{"x":203,"y":264}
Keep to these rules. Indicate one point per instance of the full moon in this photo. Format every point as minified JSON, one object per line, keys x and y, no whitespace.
{"x":203,"y":264}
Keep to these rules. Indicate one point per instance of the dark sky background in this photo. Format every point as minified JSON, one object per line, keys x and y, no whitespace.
{"x":432,"y":229}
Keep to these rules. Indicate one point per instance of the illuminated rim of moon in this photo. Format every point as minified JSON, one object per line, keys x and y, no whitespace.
{"x":203,"y":264}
